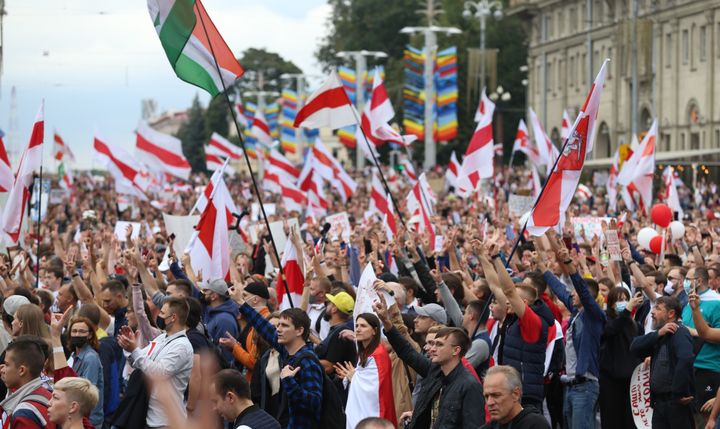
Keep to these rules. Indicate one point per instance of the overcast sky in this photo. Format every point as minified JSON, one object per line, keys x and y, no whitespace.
{"x":93,"y":61}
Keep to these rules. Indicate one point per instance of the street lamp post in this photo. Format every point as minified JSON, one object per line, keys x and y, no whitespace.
{"x":430,"y":48}
{"x":360,"y":58}
{"x":483,"y":9}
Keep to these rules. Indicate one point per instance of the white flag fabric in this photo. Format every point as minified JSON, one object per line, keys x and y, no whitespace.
{"x":7,"y":178}
{"x":328,"y":107}
{"x":637,"y":172}
{"x":547,"y":150}
{"x":479,"y":158}
{"x":161,"y":152}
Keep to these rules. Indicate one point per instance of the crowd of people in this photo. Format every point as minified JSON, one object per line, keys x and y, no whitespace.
{"x":107,"y":331}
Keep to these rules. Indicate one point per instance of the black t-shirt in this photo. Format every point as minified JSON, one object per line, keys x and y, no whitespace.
{"x":338,"y":349}
{"x":525,"y":420}
{"x":198,"y":341}
{"x":255,"y":418}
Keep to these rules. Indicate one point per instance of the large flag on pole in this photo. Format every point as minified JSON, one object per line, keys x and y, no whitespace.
{"x":7,"y":178}
{"x":260,"y":128}
{"x":294,"y":278}
{"x":328,"y":107}
{"x":547,"y":150}
{"x":190,"y":41}
{"x":566,"y":124}
{"x":638,"y":170}
{"x":124,"y":169}
{"x":671,"y":194}
{"x":525,"y":145}
{"x":381,"y":112}
{"x":611,"y":186}
{"x":452,"y":172}
{"x":222,"y":144}
{"x":31,"y":160}
{"x":480,"y":155}
{"x":161,"y":152}
{"x":559,"y":190}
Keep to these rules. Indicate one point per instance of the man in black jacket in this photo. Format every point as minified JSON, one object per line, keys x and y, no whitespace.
{"x":450,"y":396}
{"x":230,"y":395}
{"x":503,"y":390}
{"x":671,"y":366}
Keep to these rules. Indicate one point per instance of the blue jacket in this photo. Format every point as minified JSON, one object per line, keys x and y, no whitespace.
{"x":586,"y":338}
{"x":221,"y":319}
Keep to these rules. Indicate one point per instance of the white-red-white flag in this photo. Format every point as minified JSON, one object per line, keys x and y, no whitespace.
{"x":31,"y":160}
{"x":62,"y":150}
{"x":7,"y":178}
{"x":479,"y":157}
{"x":381,"y":112}
{"x":331,"y":170}
{"x":409,"y":170}
{"x":122,"y":166}
{"x":294,"y":278}
{"x":260,"y":128}
{"x":638,"y":170}
{"x":611,"y":186}
{"x":209,"y":247}
{"x":328,"y":107}
{"x":381,"y":203}
{"x":215,"y":158}
{"x":204,"y":196}
{"x":560,"y":187}
{"x":671,"y":194}
{"x":524,"y":144}
{"x":312,"y":183}
{"x":225,"y":146}
{"x":293,"y":198}
{"x":547,"y":150}
{"x":452,"y":171}
{"x":536,"y":185}
{"x":242,"y":117}
{"x":566,"y":124}
{"x":284,"y":166}
{"x":161,"y":152}
{"x":371,"y":391}
{"x":420,"y":205}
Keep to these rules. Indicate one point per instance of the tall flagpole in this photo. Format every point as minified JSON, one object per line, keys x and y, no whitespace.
{"x":247,"y":158}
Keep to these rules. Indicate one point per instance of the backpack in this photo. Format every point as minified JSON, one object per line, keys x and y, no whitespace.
{"x":332,"y":412}
{"x":216,"y":350}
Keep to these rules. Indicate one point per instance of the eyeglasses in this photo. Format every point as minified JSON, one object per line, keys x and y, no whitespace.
{"x":79,"y":331}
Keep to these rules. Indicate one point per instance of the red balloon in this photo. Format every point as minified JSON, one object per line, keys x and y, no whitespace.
{"x":656,"y":244}
{"x":661,"y":215}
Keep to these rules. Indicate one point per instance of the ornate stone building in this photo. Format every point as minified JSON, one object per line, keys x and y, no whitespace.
{"x":678,"y":70}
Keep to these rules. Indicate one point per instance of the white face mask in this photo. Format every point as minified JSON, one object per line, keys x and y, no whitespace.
{"x":669,"y":288}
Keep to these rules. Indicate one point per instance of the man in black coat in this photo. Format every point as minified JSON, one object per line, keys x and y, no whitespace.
{"x":503,"y":391}
{"x":450,"y":396}
{"x":670,"y":347}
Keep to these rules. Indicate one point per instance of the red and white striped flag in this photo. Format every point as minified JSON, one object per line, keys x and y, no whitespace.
{"x":331,"y":170}
{"x":583,"y":192}
{"x":122,"y":166}
{"x":498,"y":149}
{"x":240,"y":114}
{"x":565,"y":128}
{"x":225,"y":146}
{"x":209,"y":247}
{"x":560,"y":187}
{"x":536,"y":185}
{"x":283,"y":165}
{"x":328,"y":107}
{"x":271,"y":181}
{"x":671,"y":194}
{"x":215,"y":158}
{"x":31,"y":160}
{"x":260,"y":128}
{"x":7,"y":178}
{"x":381,"y":112}
{"x":161,"y":152}
{"x":479,"y":157}
{"x":311,"y":182}
{"x":381,"y":203}
{"x":452,"y":172}
{"x":548,"y":152}
{"x":62,"y":150}
{"x":293,"y":198}
{"x":525,"y":145}
{"x":294,"y":278}
{"x":409,"y":170}
{"x":204,"y":196}
{"x":638,"y":170}
{"x":420,"y":203}
{"x":371,"y":393}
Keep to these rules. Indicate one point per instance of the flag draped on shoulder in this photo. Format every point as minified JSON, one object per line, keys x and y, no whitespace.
{"x":560,"y":187}
{"x":7,"y":178}
{"x":294,"y":278}
{"x":637,"y":172}
{"x":17,"y":200}
{"x":190,"y":41}
{"x":479,"y":157}
{"x":371,"y":392}
{"x":161,"y":152}
{"x":328,"y":107}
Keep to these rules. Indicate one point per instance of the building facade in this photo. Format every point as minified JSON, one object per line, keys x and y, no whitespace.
{"x":677,"y":47}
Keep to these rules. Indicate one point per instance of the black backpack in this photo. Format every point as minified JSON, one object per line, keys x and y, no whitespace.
{"x":332,"y":414}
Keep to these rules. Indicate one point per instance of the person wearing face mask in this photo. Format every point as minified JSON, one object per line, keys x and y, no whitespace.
{"x":615,"y":367}
{"x":677,"y":285}
{"x":86,"y":361}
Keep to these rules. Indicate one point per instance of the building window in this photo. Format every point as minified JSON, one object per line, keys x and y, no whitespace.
{"x":703,"y":43}
{"x":572,"y":18}
{"x":668,"y":50}
{"x":685,"y":47}
{"x":717,"y":138}
{"x":693,"y":57}
{"x":560,"y":23}
{"x":538,"y":73}
{"x":571,"y":78}
{"x":666,"y":142}
{"x":583,"y":68}
{"x":718,"y":40}
{"x":561,"y":75}
{"x":583,"y":16}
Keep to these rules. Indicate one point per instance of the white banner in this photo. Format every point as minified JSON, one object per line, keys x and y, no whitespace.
{"x":183,"y":228}
{"x":640,"y":397}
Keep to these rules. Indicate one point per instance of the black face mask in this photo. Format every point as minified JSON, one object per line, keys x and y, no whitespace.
{"x":160,"y":322}
{"x":78,"y":342}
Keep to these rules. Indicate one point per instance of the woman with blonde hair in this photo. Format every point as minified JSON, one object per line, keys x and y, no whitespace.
{"x":73,"y":399}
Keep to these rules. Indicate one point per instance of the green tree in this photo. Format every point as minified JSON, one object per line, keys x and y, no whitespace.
{"x":193,"y":136}
{"x":357,"y":25}
{"x":217,"y":117}
{"x":271,"y":64}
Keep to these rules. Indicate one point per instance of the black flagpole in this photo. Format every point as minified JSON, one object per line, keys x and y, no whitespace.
{"x":37,"y":238}
{"x":247,"y":159}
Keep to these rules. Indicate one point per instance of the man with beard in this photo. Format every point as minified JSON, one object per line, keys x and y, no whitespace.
{"x":670,"y":348}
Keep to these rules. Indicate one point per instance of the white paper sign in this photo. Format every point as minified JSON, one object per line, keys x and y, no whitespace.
{"x":613,"y":245}
{"x":591,"y":225}
{"x":121,"y":226}
{"x":365,"y":294}
{"x":518,"y":205}
{"x":278,"y":232}
{"x":339,"y":226}
{"x":640,"y":397}
{"x":183,"y":228}
{"x":256,"y":214}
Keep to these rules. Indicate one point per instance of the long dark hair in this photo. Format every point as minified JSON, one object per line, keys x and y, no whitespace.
{"x":365,"y":352}
{"x":614,"y":296}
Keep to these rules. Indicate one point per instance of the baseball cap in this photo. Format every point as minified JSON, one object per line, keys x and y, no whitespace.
{"x":433,"y":311}
{"x":343,"y":301}
{"x":219,"y":286}
{"x":12,"y":303}
{"x":259,"y":289}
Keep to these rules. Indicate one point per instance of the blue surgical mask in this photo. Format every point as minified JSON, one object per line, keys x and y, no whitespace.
{"x":620,"y":306}
{"x":687,"y":285}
